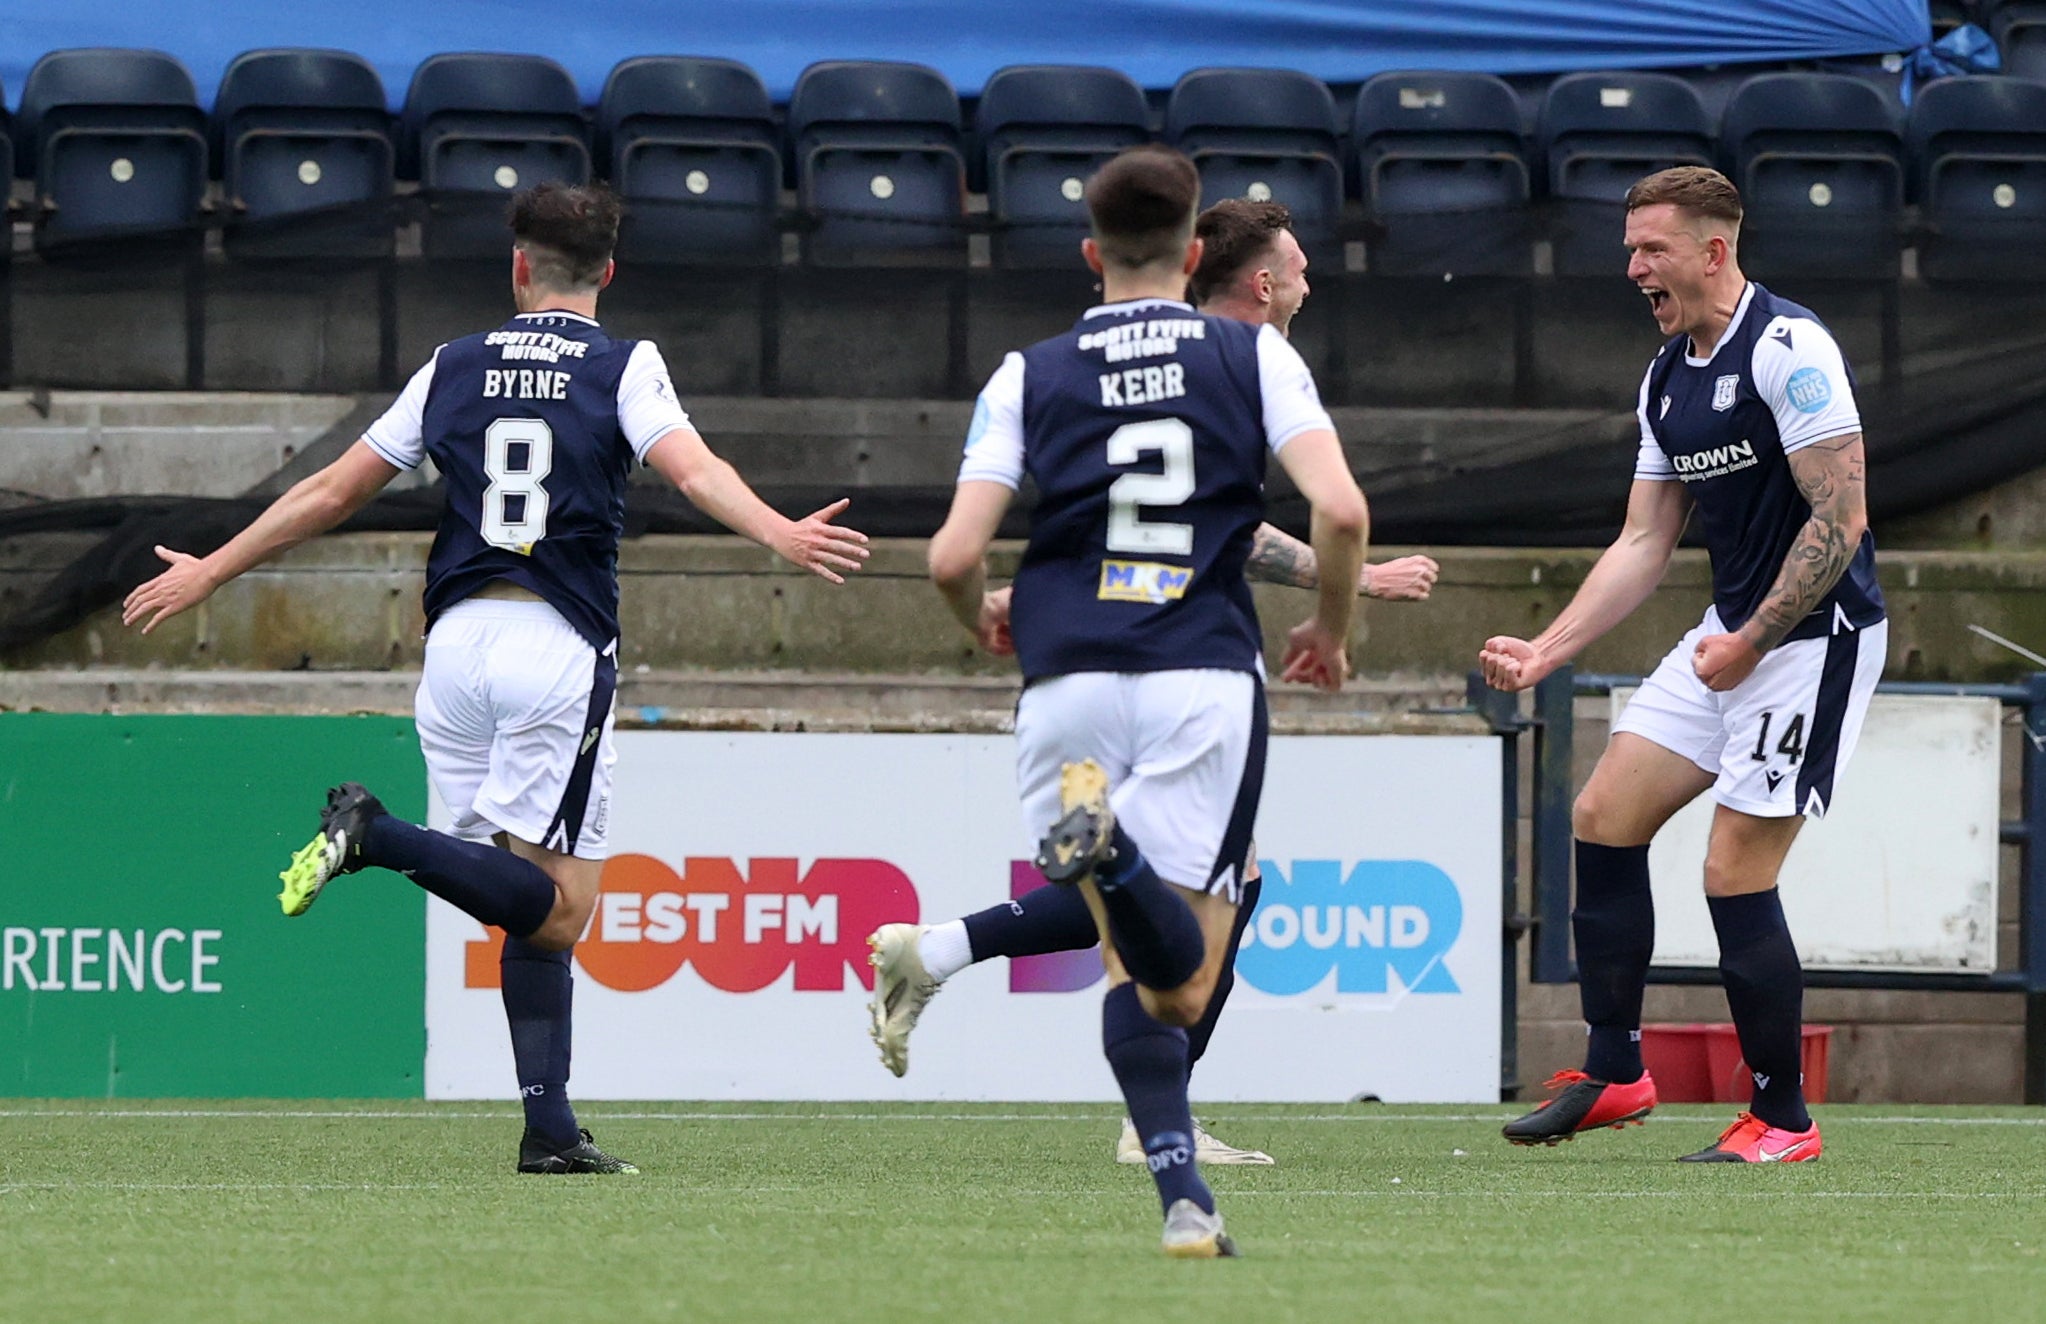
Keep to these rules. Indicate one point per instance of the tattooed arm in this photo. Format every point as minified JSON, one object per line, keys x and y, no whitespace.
{"x":1279,"y":558}
{"x":1832,"y":476}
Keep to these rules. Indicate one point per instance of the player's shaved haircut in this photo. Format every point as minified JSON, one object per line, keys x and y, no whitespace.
{"x":1234,"y":233}
{"x":567,"y":232}
{"x":1142,"y":206}
{"x":1700,"y":191}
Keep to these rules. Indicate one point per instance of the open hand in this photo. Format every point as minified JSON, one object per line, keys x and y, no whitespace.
{"x":1723,"y":661}
{"x":821,"y":547}
{"x":1315,"y":656}
{"x":1409,"y":579}
{"x":184,"y":586}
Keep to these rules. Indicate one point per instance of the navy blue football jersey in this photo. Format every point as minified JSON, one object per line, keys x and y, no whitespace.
{"x":1145,"y":429}
{"x":1725,"y":427}
{"x":534,"y":428}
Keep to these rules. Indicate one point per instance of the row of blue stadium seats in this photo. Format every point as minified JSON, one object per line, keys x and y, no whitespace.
{"x":119,"y":148}
{"x":2019,"y":27}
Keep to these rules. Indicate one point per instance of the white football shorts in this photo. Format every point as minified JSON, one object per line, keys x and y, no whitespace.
{"x":1185,"y":756}
{"x":514,"y":713}
{"x":1779,"y":739}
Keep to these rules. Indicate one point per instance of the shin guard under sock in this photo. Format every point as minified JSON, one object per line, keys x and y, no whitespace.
{"x":1765,"y":993}
{"x":539,"y":994}
{"x":1155,"y":931}
{"x":1042,"y":921}
{"x":481,"y":880}
{"x":1149,"y":1061}
{"x":1614,"y":923}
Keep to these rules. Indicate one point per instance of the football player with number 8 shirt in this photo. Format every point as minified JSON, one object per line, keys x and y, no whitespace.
{"x":534,"y":428}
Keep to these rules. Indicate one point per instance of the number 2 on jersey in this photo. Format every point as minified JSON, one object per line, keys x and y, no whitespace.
{"x":518,"y":454}
{"x":1127,"y":495}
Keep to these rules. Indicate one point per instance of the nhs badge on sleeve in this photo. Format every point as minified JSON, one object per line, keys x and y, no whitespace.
{"x":1809,"y":390}
{"x":978,"y":428}
{"x":1723,"y":391}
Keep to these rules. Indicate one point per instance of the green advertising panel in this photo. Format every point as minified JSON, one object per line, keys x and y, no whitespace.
{"x":142,"y":952}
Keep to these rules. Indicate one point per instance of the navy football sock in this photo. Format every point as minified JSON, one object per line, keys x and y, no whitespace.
{"x":1155,"y":931}
{"x":1765,"y":992}
{"x":483,"y":881}
{"x":1614,"y":923}
{"x":539,"y":992}
{"x":1042,"y":921}
{"x":1149,"y":1061}
{"x":1201,"y":1031}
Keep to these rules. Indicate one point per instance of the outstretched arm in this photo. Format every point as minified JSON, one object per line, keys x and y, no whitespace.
{"x":1277,"y":557}
{"x":1832,"y":476}
{"x":713,"y":486}
{"x":311,"y":507}
{"x":1622,"y":579}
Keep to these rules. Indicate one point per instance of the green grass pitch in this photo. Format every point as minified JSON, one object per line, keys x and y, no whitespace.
{"x":310,"y":1213}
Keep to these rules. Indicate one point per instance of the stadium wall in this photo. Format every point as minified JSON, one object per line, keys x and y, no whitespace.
{"x":351,"y":603}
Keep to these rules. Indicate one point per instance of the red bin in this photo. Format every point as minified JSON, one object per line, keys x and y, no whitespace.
{"x":1701,"y":1063}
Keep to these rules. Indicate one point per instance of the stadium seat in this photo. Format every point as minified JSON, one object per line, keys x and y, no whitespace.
{"x":1818,"y":161}
{"x":1978,"y":153}
{"x":306,"y":156}
{"x":694,"y":151}
{"x":880,"y":174}
{"x":1441,"y":161}
{"x":1043,"y":129}
{"x":482,"y":126}
{"x":1600,"y":132}
{"x":2019,"y":27}
{"x":1946,"y":16}
{"x":117,"y":144}
{"x":1263,"y":134}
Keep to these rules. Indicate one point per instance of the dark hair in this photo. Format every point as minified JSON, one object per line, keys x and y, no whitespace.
{"x":1142,"y":205}
{"x":567,"y":232}
{"x":1234,"y":233}
{"x":1700,"y":190}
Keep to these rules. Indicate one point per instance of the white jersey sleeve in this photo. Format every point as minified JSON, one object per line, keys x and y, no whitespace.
{"x":647,"y":407}
{"x":1650,"y":463}
{"x":1802,"y":377}
{"x":994,"y":441}
{"x":399,"y":436}
{"x":1292,"y":404}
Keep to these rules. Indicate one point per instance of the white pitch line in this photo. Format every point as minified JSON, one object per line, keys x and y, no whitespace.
{"x":367,"y":1114}
{"x":695,"y":1189}
{"x":1687,"y":1194}
{"x":8,"y":1187}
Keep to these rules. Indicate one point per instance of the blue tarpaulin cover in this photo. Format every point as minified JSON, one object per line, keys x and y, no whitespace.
{"x":1154,"y":41}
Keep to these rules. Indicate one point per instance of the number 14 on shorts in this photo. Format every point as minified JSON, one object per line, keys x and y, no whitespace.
{"x":1791,"y":742}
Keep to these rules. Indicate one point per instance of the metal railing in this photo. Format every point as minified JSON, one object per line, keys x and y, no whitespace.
{"x":1548,"y":920}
